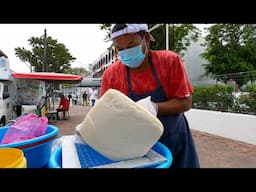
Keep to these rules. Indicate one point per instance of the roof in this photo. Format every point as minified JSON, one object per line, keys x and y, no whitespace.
{"x":49,"y":76}
{"x":90,"y":82}
{"x":2,"y":54}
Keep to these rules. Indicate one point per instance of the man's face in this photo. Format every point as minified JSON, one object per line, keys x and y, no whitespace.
{"x":128,"y":41}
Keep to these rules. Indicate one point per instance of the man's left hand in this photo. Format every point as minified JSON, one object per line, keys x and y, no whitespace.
{"x":147,"y":104}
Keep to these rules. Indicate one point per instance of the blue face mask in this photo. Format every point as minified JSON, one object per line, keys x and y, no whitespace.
{"x":132,"y":57}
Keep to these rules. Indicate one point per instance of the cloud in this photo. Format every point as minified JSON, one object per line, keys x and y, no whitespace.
{"x":84,"y":41}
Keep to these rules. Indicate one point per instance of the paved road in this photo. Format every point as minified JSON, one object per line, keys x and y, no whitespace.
{"x":213,"y":151}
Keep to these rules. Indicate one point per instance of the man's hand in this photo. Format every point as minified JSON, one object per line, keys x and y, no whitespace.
{"x":147,"y":104}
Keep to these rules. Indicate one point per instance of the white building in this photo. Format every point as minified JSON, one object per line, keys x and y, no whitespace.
{"x":193,"y":63}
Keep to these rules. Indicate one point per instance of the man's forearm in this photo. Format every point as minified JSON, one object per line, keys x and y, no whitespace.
{"x":174,"y":106}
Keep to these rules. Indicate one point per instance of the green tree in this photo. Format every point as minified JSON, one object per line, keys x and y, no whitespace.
{"x":58,"y":58}
{"x":180,"y":36}
{"x":106,"y":27}
{"x":77,"y":71}
{"x":230,"y":48}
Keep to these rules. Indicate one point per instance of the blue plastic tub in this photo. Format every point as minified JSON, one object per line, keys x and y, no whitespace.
{"x":56,"y":160}
{"x":37,"y":150}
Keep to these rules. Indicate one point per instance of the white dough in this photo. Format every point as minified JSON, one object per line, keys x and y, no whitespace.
{"x":120,"y":129}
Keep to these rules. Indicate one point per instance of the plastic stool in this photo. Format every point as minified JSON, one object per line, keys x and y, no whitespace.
{"x":52,"y":116}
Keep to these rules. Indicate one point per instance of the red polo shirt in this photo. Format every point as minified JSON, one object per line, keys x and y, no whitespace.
{"x":170,"y":70}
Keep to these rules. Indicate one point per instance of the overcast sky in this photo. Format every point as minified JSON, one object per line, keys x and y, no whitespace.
{"x":84,"y":41}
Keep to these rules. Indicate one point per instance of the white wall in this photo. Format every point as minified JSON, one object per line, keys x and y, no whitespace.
{"x":241,"y":127}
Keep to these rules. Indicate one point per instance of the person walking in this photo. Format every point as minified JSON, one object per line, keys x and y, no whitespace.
{"x":84,"y":96}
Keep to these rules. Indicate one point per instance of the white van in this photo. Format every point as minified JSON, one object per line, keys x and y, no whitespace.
{"x":17,"y":96}
{"x":6,"y":89}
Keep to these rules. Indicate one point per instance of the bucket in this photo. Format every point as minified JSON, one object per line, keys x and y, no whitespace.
{"x":12,"y":158}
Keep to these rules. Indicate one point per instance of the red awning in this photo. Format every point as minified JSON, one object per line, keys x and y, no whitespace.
{"x":48,"y":76}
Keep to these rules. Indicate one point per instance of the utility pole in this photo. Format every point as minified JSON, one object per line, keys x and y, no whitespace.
{"x":44,"y":67}
{"x":166,"y":33}
{"x":167,"y":36}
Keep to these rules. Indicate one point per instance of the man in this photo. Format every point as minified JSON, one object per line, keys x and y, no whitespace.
{"x":158,"y":80}
{"x":84,"y":96}
{"x":94,"y":96}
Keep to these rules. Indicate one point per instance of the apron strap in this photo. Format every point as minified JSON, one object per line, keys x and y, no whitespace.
{"x":128,"y":74}
{"x":154,"y":70}
{"x":129,"y":80}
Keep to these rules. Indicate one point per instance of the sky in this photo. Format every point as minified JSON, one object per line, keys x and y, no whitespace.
{"x":85,"y":42}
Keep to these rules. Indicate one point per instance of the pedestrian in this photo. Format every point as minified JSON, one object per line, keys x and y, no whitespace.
{"x":84,"y":96}
{"x":94,"y":96}
{"x":159,"y":77}
{"x":69,"y":97}
{"x":75,"y":98}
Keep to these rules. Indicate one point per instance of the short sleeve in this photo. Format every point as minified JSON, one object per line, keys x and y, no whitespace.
{"x":180,"y":85}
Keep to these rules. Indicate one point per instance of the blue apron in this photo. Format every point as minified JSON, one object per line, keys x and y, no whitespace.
{"x":176,"y":136}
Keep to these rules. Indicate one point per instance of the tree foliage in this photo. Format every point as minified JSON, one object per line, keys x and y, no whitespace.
{"x":106,"y":27}
{"x":58,"y":57}
{"x":78,"y":71}
{"x":180,"y":36}
{"x":230,"y":48}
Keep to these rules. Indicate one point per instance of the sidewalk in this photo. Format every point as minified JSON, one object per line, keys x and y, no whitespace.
{"x":219,"y":152}
{"x":77,"y":115}
{"x":213,"y":151}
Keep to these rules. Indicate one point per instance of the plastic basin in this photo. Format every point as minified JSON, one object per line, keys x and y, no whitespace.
{"x":37,"y":150}
{"x":56,"y":157}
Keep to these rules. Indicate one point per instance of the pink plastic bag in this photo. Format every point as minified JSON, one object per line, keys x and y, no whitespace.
{"x":26,"y":127}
